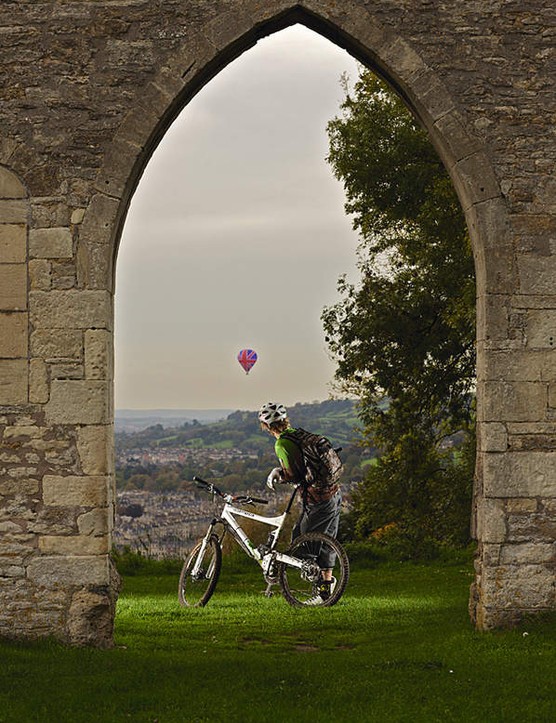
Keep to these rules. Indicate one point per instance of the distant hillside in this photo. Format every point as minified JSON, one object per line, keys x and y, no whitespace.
{"x":336,"y":419}
{"x":135,"y":420}
{"x":233,"y":450}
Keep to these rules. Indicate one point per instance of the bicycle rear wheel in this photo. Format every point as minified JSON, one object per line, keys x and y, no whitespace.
{"x":304,"y":586}
{"x":195,"y":590}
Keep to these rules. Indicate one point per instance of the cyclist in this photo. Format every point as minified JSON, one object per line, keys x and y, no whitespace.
{"x":321,"y":507}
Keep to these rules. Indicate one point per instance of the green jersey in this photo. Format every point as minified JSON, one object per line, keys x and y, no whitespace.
{"x":290,"y":456}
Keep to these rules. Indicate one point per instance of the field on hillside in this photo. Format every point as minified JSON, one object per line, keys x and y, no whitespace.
{"x":398,"y":647}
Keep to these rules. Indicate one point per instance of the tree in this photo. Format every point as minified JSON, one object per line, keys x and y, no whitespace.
{"x":403,"y":337}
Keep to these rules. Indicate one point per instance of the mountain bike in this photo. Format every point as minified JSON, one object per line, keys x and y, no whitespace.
{"x":298,"y":570}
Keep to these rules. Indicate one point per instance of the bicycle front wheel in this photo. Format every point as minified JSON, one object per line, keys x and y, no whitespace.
{"x":323,"y":575}
{"x":198,"y":581}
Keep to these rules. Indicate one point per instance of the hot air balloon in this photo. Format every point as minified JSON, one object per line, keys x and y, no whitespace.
{"x":247,"y":357}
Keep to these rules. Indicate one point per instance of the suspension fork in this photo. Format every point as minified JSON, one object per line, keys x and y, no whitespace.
{"x":204,"y":544}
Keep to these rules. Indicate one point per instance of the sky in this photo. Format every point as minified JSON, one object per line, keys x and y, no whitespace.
{"x":236,"y":237}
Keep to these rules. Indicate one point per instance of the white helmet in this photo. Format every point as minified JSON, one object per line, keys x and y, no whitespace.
{"x":272,"y":412}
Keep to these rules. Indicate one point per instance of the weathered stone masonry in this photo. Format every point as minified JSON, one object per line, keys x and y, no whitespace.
{"x":88,"y":89}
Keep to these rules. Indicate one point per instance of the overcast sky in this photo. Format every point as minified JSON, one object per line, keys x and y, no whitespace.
{"x":236,"y":237}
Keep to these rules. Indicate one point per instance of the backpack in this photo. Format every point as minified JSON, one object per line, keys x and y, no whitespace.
{"x":322,"y":463}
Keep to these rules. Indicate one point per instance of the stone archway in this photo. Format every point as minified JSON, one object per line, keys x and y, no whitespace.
{"x":128,"y":70}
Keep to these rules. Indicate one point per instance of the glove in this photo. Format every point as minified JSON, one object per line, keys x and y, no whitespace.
{"x":274,"y":478}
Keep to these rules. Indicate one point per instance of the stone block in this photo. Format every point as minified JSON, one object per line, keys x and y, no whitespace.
{"x":493,"y":437}
{"x":536,"y":274}
{"x":528,"y":553}
{"x":98,"y":354}
{"x":38,"y":382}
{"x":14,"y":380}
{"x":13,"y":211}
{"x":75,"y":491}
{"x":94,"y":522}
{"x":40,"y":275}
{"x":50,"y":243}
{"x":91,"y":619}
{"x":73,"y":545}
{"x":518,"y":587}
{"x":534,"y":442}
{"x":541,"y":329}
{"x":55,"y":521}
{"x":492,"y":239}
{"x":513,"y":401}
{"x":23,"y":432}
{"x":66,"y":370}
{"x":13,"y":287}
{"x":79,"y":402}
{"x":95,"y":446}
{"x":77,"y":216}
{"x":13,"y":243}
{"x":53,"y":344}
{"x":523,"y":301}
{"x":119,"y":160}
{"x":460,"y":144}
{"x":49,"y":212}
{"x":491,"y":521}
{"x":14,"y":334}
{"x":358,"y":22}
{"x":519,"y":365}
{"x":226,"y":27}
{"x":71,"y":309}
{"x":531,"y":428}
{"x":95,"y":268}
{"x":98,"y":219}
{"x":10,"y":185}
{"x":538,"y":526}
{"x":431,"y":96}
{"x":11,"y":571}
{"x":494,"y":319}
{"x":7,"y":147}
{"x":64,"y":571}
{"x":521,"y":506}
{"x":475,"y":176}
{"x":401,"y":59}
{"x":490,"y":553}
{"x":519,"y":474}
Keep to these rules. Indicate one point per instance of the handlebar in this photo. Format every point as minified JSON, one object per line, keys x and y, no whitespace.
{"x":238,"y":499}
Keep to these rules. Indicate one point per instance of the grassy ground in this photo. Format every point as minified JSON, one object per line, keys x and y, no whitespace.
{"x":399,"y":647}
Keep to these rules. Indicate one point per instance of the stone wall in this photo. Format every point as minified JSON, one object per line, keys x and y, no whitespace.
{"x":89,"y":89}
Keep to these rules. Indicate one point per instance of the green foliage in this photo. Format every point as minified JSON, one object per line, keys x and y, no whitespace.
{"x":405,"y":332}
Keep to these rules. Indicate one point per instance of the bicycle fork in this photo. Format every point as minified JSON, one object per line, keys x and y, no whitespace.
{"x":201,"y":555}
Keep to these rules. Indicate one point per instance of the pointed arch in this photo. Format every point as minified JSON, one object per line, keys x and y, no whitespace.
{"x":227,"y":36}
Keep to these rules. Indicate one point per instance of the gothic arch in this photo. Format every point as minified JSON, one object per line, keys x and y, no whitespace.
{"x":355,"y":30}
{"x":71,"y":155}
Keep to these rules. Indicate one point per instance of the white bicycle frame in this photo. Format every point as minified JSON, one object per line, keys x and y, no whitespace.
{"x":265,"y":559}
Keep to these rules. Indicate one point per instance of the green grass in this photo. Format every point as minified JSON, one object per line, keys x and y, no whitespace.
{"x":398,"y":647}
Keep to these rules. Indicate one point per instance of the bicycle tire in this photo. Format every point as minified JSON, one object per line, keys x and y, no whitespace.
{"x":300,"y":587}
{"x":196,"y":592}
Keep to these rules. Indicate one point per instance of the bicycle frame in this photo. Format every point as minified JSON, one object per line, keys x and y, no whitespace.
{"x":265,"y":555}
